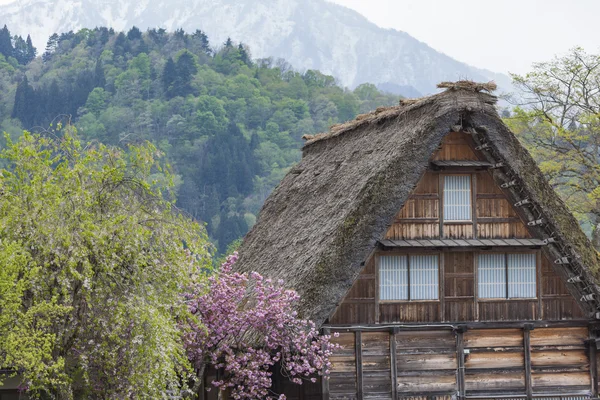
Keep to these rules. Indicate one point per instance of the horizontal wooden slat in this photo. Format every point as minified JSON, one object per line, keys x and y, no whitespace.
{"x":425,"y":362}
{"x":435,"y":383}
{"x":559,"y":336}
{"x":494,"y":360}
{"x":493,"y":337}
{"x":426,"y":339}
{"x":494,"y":381}
{"x":561,"y":379}
{"x":559,"y":358}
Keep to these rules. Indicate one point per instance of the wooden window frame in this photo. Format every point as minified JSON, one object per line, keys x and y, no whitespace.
{"x":506,"y":253}
{"x":442,"y":190}
{"x":408,"y":255}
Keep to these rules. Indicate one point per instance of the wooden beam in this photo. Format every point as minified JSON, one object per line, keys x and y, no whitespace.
{"x":359,"y":367}
{"x":325,"y":380}
{"x":593,"y":361}
{"x":527,"y":349}
{"x":393,"y":365}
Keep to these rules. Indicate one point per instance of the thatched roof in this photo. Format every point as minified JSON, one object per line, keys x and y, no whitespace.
{"x":324,"y":219}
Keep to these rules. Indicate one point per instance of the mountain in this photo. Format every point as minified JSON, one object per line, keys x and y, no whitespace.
{"x":309,"y":34}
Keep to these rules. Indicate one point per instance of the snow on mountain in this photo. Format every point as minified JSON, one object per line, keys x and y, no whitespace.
{"x":309,"y":34}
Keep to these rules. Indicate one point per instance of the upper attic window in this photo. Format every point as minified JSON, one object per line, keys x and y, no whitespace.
{"x":457,"y":198}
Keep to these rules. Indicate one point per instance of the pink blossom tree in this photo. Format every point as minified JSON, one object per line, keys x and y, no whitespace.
{"x":245,"y":326}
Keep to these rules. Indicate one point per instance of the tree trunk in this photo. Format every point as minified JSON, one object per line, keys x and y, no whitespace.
{"x":198,"y":387}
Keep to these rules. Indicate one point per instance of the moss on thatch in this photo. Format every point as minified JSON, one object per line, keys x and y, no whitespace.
{"x":324,"y":219}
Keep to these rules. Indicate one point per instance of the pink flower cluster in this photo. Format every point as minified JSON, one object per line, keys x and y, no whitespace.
{"x":248,"y":325}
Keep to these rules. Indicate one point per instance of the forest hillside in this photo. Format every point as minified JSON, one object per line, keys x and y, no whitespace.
{"x":229,"y":125}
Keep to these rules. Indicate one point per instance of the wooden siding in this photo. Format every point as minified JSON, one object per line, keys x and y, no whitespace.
{"x":494,"y":215}
{"x":457,"y":301}
{"x":456,"y":146}
{"x":441,"y":363}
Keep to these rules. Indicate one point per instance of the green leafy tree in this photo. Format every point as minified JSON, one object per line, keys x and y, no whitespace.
{"x":94,"y":257}
{"x":560,"y":123}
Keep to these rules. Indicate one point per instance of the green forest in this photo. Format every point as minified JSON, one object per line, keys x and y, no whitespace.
{"x":229,"y":126}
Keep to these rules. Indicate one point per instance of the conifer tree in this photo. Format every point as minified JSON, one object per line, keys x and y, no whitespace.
{"x":20,"y":50}
{"x":134,"y":33}
{"x":24,"y":105}
{"x":204,"y":42}
{"x":168,"y":77}
{"x":31,"y":50}
{"x":244,"y":56}
{"x":6,"y":48}
{"x":186,"y":68}
{"x":51,"y":47}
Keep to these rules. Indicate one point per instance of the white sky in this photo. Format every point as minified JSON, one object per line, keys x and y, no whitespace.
{"x":500,"y":35}
{"x":503,"y":36}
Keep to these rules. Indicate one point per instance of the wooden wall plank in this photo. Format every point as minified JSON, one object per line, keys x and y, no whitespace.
{"x":563,"y":379}
{"x":494,"y":381}
{"x":559,"y":336}
{"x":493,"y":338}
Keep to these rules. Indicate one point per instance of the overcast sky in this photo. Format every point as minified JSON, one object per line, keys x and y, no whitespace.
{"x":503,"y":36}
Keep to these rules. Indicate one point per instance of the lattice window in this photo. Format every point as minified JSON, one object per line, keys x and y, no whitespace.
{"x":521,"y":275}
{"x":393,"y":278}
{"x":501,"y":276}
{"x":491,"y":276}
{"x":457,"y":198}
{"x":424,"y":275}
{"x":409,"y":278}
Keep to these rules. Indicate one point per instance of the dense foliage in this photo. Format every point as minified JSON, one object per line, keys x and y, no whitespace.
{"x":231,"y":127}
{"x":93,"y":261}
{"x":559,"y":122}
{"x":249,"y":325}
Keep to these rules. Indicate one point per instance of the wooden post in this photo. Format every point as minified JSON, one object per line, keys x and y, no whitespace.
{"x":441,"y":203}
{"x":325,"y":380}
{"x":538,"y":282}
{"x":393,"y":365}
{"x":527,"y":351}
{"x":442,"y":285}
{"x":377,"y":289}
{"x":359,"y":368}
{"x":593,"y":362}
{"x":460,"y":352}
{"x":474,"y":205}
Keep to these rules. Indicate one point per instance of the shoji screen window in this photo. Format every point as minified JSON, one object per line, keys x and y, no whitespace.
{"x":506,"y":276}
{"x":414,"y":277}
{"x":457,"y":198}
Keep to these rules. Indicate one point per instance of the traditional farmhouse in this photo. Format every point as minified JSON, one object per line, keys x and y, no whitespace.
{"x":426,"y":235}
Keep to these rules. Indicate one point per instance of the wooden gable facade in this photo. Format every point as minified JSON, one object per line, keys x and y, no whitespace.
{"x":459,"y":345}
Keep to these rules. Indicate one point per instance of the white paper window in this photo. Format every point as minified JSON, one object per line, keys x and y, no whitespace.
{"x":393,"y":278}
{"x":409,"y":278}
{"x":491,"y":276}
{"x":457,"y":198}
{"x":501,"y":276}
{"x":521,"y":275}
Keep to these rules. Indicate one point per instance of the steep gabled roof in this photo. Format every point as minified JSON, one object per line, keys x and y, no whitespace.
{"x":324,"y":219}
